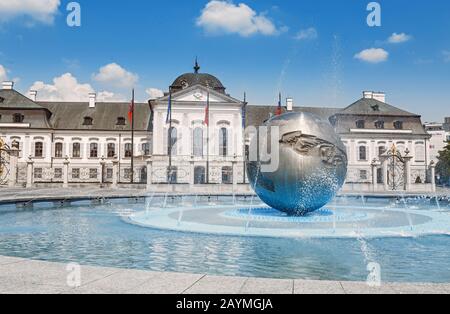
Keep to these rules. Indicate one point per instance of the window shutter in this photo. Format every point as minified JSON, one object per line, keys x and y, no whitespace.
{"x":71,"y":150}
{"x":33,"y":149}
{"x":64,"y":147}
{"x":104,"y":150}
{"x":53,"y":150}
{"x":122,"y":151}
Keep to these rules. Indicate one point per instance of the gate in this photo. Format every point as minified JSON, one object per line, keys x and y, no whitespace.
{"x":4,"y":162}
{"x":396,"y":169}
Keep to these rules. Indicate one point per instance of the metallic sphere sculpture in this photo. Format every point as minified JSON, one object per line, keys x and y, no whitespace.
{"x":312,"y":164}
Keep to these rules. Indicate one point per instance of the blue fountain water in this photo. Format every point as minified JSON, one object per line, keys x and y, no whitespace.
{"x":100,"y":235}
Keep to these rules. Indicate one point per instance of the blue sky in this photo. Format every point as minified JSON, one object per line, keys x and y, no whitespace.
{"x":306,"y":49}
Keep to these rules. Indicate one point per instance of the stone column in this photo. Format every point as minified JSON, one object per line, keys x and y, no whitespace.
{"x":192,"y":171}
{"x":375,"y":165}
{"x":115,"y":179}
{"x":66,"y":173}
{"x":149,"y":173}
{"x":102,"y":172}
{"x":407,"y":173}
{"x":433,"y":176}
{"x":385,"y":174}
{"x":30,"y":178}
{"x":235,"y":174}
{"x":13,"y":163}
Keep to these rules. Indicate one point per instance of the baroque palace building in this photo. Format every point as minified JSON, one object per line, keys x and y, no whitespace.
{"x":82,"y":143}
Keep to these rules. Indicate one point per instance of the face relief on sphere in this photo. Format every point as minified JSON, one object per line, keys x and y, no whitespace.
{"x":312,"y":164}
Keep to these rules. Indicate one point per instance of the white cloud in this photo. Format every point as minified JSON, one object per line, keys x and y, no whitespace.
{"x":399,"y":38}
{"x":154,"y":93}
{"x":116,"y":75}
{"x":42,"y":11}
{"x":373,"y":55}
{"x":3,"y":73}
{"x":446,"y":55}
{"x":220,"y":17}
{"x":305,"y":34}
{"x":106,"y":96}
{"x":64,"y":88}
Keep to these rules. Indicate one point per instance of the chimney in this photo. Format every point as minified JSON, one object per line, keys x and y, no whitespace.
{"x":33,"y":95}
{"x":8,"y":85}
{"x":380,"y":96}
{"x":92,"y":100}
{"x":289,"y":104}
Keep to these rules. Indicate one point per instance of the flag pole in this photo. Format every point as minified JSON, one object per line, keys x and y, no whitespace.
{"x":169,"y":172}
{"x":207,"y":141}
{"x":132,"y":139}
{"x":244,"y":125}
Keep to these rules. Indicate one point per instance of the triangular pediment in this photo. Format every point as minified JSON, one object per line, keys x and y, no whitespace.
{"x":199,"y":93}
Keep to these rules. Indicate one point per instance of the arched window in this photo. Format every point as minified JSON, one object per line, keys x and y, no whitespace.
{"x":39,"y":149}
{"x":58,"y":150}
{"x":18,"y":118}
{"x":223,"y":142}
{"x":172,"y":136}
{"x":362,"y":153}
{"x":381,"y":150}
{"x":199,"y":175}
{"x":227,"y":175}
{"x":379,"y":124}
{"x":398,"y":125}
{"x":76,"y":150}
{"x":360,"y":124}
{"x":93,"y":150}
{"x":111,"y":150}
{"x":128,"y":150}
{"x":420,"y":153}
{"x":198,"y":142}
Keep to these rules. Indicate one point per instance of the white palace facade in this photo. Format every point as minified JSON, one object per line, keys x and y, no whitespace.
{"x":72,"y":144}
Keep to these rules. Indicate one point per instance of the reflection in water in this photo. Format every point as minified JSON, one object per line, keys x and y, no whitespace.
{"x":99,"y":236}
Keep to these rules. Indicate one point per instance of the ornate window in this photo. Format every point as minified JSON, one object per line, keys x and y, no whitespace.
{"x":76,"y":150}
{"x":93,"y":151}
{"x":198,"y":142}
{"x":381,"y":150}
{"x":58,"y":173}
{"x":121,"y":121}
{"x":18,"y":118}
{"x":146,"y":149}
{"x":39,"y":149}
{"x":128,"y":150}
{"x":362,"y":153}
{"x":379,"y":125}
{"x":58,"y":150}
{"x":360,"y":124}
{"x":199,"y":175}
{"x":223,"y":142}
{"x":88,"y":121}
{"x":420,"y":152}
{"x":363,"y":175}
{"x":38,"y":173}
{"x":172,"y":136}
{"x":398,"y":125}
{"x":227,"y":175}
{"x":75,"y":173}
{"x":93,"y":173}
{"x":111,"y":153}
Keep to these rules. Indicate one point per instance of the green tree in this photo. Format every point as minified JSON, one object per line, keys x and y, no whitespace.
{"x":443,"y":165}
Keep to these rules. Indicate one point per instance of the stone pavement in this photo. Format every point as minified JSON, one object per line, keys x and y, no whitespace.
{"x":22,"y":276}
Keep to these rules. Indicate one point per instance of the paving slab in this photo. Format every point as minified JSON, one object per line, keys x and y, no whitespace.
{"x":217,"y":285}
{"x":364,"y":288}
{"x":167,"y":283}
{"x":420,"y":288}
{"x":47,"y":273}
{"x":318,"y":287}
{"x":267,"y":286}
